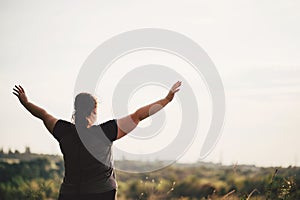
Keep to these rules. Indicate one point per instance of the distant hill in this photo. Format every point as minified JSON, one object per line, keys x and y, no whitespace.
{"x":130,"y":165}
{"x":16,"y":157}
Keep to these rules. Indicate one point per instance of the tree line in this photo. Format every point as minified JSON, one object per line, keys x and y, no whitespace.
{"x":41,"y":179}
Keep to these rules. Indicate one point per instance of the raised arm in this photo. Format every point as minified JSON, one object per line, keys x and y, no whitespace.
{"x":128,"y":123}
{"x":36,"y":111}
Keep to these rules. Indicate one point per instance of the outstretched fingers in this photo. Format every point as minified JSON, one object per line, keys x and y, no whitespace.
{"x":22,"y":89}
{"x":16,"y":94}
{"x":17,"y":90}
{"x":175,"y":88}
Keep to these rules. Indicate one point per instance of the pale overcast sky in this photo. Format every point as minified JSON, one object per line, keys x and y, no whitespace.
{"x":254,"y":44}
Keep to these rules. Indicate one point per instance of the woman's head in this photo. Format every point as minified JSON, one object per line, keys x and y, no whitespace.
{"x":85,"y":110}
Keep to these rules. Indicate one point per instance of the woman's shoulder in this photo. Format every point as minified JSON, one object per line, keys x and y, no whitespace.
{"x":63,"y":122}
{"x":61,"y":125}
{"x":61,"y":128}
{"x":111,"y":123}
{"x":110,"y":129}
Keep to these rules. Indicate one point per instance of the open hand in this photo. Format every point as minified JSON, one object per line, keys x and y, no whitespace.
{"x":175,"y":88}
{"x":20,"y":93}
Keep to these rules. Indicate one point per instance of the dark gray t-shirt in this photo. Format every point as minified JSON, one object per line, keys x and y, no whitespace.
{"x":87,"y":157}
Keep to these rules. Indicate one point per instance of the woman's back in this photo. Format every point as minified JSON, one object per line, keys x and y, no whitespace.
{"x":84,"y":173}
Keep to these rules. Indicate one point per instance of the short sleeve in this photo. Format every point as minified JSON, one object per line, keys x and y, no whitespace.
{"x":110,"y":129}
{"x":59,"y":129}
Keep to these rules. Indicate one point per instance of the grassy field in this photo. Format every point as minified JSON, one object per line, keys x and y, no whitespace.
{"x":39,"y":177}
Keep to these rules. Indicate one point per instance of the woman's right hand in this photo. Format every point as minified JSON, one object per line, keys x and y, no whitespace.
{"x":175,"y":88}
{"x":20,"y":93}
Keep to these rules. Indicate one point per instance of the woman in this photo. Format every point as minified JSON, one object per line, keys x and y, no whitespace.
{"x":89,"y":176}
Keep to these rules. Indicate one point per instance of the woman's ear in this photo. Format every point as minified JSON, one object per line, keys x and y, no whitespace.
{"x":92,"y":118}
{"x":89,"y":120}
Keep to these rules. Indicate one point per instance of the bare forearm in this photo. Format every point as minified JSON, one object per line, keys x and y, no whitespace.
{"x":130,"y":122}
{"x":151,"y":109}
{"x":35,"y":110}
